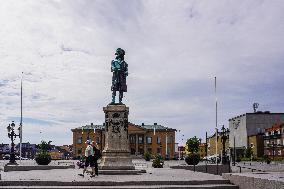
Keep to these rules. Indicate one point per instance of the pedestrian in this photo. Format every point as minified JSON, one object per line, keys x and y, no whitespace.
{"x":97,"y":155}
{"x":89,"y":158}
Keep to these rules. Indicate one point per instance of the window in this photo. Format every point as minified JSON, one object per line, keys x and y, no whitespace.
{"x":168,"y":139}
{"x":79,"y":140}
{"x":140,"y":139}
{"x":159,"y":150}
{"x":279,"y":152}
{"x":98,"y":141}
{"x":132,"y":139}
{"x":168,"y":151}
{"x":159,"y":140}
{"x":149,"y":140}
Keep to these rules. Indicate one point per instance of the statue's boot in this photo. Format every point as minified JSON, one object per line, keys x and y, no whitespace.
{"x":120,"y":97}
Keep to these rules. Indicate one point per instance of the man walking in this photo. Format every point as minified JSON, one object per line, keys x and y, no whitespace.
{"x":89,"y":156}
{"x":97,"y":155}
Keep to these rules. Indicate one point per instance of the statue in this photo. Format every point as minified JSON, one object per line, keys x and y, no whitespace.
{"x":120,"y":71}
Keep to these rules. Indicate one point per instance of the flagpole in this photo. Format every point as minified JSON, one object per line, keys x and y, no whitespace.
{"x":21,"y":123}
{"x":216,"y":119}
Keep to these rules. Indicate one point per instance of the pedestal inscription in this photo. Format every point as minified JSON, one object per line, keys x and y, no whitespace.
{"x":116,"y":153}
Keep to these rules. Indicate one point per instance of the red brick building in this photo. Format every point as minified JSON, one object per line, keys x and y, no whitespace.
{"x":156,"y":139}
{"x":274,"y":141}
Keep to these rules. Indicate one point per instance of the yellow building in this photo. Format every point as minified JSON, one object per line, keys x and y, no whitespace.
{"x":155,"y":139}
{"x":211,"y":142}
{"x":202,"y":150}
{"x":256,"y":143}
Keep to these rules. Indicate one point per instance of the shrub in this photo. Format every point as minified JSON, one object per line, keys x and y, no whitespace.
{"x":267,"y":159}
{"x":147,"y":156}
{"x":158,"y":162}
{"x":193,"y":144}
{"x":248,"y":152}
{"x":43,"y":157}
{"x":192,"y":159}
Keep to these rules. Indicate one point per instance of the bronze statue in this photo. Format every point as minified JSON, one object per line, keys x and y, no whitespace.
{"x":120,"y":71}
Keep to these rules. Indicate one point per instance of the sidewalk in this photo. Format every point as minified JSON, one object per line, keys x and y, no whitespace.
{"x":153,"y":178}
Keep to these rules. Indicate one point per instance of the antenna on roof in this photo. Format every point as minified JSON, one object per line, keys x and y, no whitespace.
{"x":255,"y":106}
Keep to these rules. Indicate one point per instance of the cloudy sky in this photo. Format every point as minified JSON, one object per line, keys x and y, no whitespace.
{"x":174,"y":50}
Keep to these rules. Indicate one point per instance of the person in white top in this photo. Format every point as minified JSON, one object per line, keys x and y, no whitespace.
{"x":89,"y":155}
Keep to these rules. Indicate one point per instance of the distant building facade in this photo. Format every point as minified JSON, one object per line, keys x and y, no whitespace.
{"x":202,"y":150}
{"x":274,"y":141}
{"x":28,"y":150}
{"x":211,"y":144}
{"x":155,"y":139}
{"x":4,"y":149}
{"x":247,"y":130}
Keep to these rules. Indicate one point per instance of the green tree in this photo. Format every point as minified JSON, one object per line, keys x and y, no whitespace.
{"x":192,"y":144}
{"x":44,"y":146}
{"x":43,"y":157}
{"x":248,"y":152}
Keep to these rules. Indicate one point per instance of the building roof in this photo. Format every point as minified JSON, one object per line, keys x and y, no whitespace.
{"x":274,"y":127}
{"x":156,"y":126}
{"x":256,"y":113}
{"x":89,"y":127}
{"x":143,"y":126}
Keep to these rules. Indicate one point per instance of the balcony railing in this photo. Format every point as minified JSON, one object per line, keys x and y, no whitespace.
{"x":272,"y":136}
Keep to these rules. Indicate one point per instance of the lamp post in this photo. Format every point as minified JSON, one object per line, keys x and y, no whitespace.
{"x":235,"y":124}
{"x":166,"y":157}
{"x":12,"y":135}
{"x":224,"y":138}
{"x":179,"y":147}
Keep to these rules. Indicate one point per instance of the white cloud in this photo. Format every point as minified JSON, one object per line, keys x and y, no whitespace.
{"x":174,"y":50}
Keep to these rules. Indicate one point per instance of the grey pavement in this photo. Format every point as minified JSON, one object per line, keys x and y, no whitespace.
{"x":152,"y":174}
{"x":272,"y":167}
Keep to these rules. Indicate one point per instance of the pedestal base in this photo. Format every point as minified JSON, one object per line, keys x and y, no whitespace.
{"x":116,"y":153}
{"x":116,"y":161}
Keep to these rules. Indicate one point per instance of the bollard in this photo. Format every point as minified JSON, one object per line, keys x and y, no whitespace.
{"x":240,"y":169}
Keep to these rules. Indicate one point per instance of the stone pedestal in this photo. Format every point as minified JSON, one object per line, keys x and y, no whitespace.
{"x":116,"y":153}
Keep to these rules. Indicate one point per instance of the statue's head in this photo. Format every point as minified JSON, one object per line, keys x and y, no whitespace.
{"x":120,"y":53}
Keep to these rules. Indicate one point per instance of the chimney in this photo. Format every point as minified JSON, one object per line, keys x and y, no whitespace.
{"x":155,"y":123}
{"x":92,"y":124}
{"x":142,"y":124}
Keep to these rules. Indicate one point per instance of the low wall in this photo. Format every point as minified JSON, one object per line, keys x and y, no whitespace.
{"x":257,"y":180}
{"x":211,"y":169}
{"x":35,"y":167}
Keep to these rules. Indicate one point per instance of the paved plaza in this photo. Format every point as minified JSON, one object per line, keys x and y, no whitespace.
{"x":153,"y":178}
{"x":152,"y":174}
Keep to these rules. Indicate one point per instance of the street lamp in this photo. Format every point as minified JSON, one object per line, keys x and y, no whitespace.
{"x":236,"y":124}
{"x":224,"y":138}
{"x":166,"y":157}
{"x":179,"y":147}
{"x":12,"y":135}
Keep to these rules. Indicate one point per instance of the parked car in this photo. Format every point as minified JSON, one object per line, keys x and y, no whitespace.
{"x":7,"y":157}
{"x":212,"y":159}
